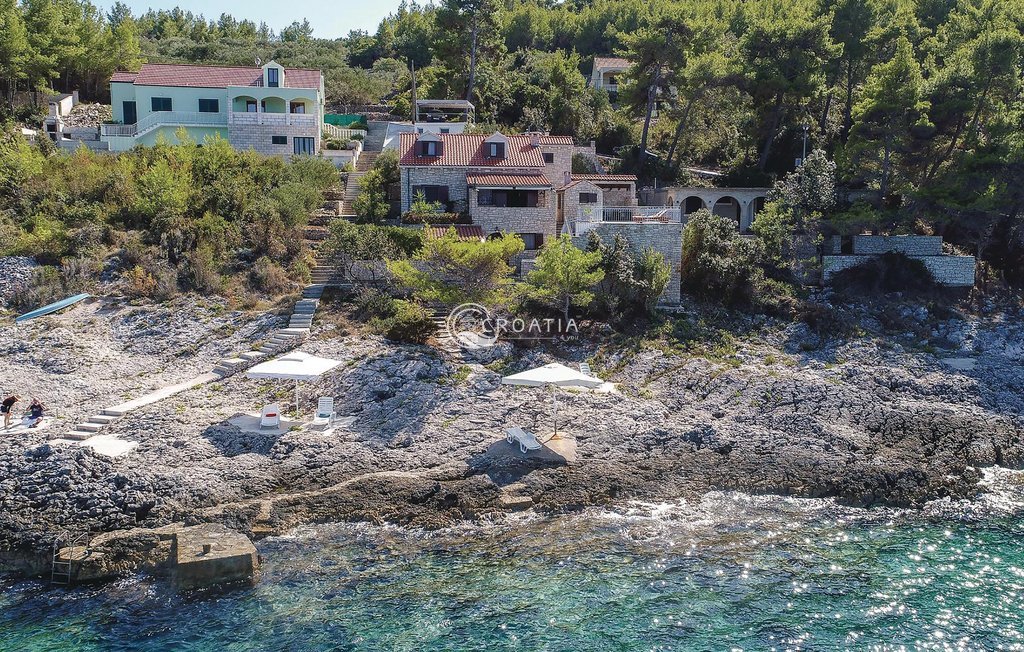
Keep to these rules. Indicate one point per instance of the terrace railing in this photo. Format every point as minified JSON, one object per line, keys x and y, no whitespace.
{"x":588,"y":217}
{"x":165,"y":118}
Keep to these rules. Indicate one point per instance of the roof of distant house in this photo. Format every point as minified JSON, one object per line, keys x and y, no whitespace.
{"x":611,"y":62}
{"x":533,"y":180}
{"x":462,"y":231}
{"x":190,"y":76}
{"x":467,"y":150}
{"x":604,"y":177}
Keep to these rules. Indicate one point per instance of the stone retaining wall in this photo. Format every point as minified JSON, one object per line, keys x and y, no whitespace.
{"x":951,"y":271}
{"x":911,"y":245}
{"x":667,"y":239}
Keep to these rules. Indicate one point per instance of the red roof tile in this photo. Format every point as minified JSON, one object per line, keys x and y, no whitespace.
{"x":531,"y":180}
{"x":557,"y":140}
{"x":172,"y":74}
{"x":604,"y":177}
{"x":124,"y":76}
{"x":466,"y":150}
{"x":463,"y":231}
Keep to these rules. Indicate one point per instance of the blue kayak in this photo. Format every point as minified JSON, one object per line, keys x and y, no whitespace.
{"x":53,"y":307}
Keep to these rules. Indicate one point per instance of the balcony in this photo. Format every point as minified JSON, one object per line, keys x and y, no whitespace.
{"x":158,"y":119}
{"x":589,"y":217}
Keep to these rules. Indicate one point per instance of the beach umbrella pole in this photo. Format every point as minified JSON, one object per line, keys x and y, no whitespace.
{"x":554,"y":399}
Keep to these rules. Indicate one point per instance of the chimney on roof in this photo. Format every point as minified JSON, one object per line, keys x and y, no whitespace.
{"x":567,"y":176}
{"x":535,"y":139}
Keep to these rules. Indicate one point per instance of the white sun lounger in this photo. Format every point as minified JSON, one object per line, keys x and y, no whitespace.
{"x":270,"y":416}
{"x":324,"y":412}
{"x":527,"y":440}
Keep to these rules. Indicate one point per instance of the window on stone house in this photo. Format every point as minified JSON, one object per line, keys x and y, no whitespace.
{"x":209,"y":106}
{"x":549,"y":157}
{"x":588,"y":197}
{"x":161,"y":104}
{"x":508,"y":198}
{"x":250,"y":106}
{"x":303,"y":145}
{"x":298,"y":108}
{"x":273,"y":80}
{"x":279,"y":140}
{"x":533,"y":241}
{"x":432,"y":193}
{"x":495,"y":150}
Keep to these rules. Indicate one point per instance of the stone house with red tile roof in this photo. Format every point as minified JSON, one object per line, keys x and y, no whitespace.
{"x":520,"y":183}
{"x":270,"y":109}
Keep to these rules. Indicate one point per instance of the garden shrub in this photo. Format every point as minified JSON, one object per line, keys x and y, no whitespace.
{"x":409,"y":322}
{"x":269,"y":277}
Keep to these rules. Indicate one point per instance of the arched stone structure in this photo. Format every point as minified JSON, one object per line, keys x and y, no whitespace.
{"x":747,"y":201}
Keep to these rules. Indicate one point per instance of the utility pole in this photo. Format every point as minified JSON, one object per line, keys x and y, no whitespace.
{"x":415,"y":109}
{"x":804,"y":159}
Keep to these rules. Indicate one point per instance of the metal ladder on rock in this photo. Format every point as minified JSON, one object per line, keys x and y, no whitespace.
{"x":61,"y":571}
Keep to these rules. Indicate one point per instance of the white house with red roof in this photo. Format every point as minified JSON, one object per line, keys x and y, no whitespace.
{"x":270,"y":109}
{"x":520,"y":183}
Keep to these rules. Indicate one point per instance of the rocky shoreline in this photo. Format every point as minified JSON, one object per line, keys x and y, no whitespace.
{"x":903,"y":413}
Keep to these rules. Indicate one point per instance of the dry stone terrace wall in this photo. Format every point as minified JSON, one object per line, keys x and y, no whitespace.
{"x":666,"y":239}
{"x":911,"y":245}
{"x":951,"y":271}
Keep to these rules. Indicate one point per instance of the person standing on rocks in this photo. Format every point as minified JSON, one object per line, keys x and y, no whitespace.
{"x":7,"y":408}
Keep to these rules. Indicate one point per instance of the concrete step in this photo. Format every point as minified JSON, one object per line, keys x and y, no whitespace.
{"x":250,"y":356}
{"x":113,"y":412}
{"x":102,"y":419}
{"x":78,"y":435}
{"x":89,"y":427}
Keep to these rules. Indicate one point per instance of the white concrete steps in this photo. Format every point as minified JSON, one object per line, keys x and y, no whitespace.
{"x":228,"y":366}
{"x":88,"y":433}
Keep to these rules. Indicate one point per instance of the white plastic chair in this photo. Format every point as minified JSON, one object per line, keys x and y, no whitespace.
{"x":270,"y":416}
{"x":585,"y":369}
{"x":527,"y":440}
{"x":324,"y":412}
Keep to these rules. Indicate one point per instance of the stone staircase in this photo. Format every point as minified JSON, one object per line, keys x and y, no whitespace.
{"x":364,"y":165}
{"x":374,"y":140}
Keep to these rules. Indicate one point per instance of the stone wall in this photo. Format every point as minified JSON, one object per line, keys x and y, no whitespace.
{"x":516,"y":220}
{"x":454,"y":178}
{"x":666,"y":239}
{"x":951,"y":271}
{"x":571,"y":201}
{"x":911,"y":245}
{"x":258,"y":137}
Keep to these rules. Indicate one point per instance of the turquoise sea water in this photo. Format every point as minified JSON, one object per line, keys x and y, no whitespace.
{"x":732,"y":572}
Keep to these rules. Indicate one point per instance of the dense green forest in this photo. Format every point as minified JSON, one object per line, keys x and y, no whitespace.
{"x":918,"y":102}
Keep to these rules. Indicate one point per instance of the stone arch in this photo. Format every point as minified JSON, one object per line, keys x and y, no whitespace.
{"x":239,"y":103}
{"x":756,"y":206}
{"x":728,"y":207}
{"x":307,"y":105}
{"x":274,"y":104}
{"x":692,"y":204}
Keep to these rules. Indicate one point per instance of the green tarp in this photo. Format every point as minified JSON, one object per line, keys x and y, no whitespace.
{"x":343,"y":119}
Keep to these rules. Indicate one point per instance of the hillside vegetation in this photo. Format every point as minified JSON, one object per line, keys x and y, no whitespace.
{"x":918,"y":102}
